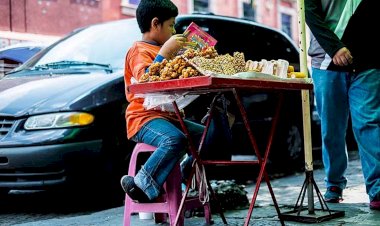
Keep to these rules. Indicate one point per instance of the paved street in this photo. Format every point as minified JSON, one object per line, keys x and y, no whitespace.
{"x":286,"y":189}
{"x":33,"y":206}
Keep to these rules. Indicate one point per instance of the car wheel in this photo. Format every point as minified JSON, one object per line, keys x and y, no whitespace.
{"x":287,"y":150}
{"x":294,"y":142}
{"x":114,"y":159}
{"x":4,"y":191}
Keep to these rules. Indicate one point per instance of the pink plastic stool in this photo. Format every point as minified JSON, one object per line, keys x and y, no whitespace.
{"x":170,"y":200}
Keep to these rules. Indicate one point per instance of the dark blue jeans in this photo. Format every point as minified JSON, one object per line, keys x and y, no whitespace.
{"x":172,"y":145}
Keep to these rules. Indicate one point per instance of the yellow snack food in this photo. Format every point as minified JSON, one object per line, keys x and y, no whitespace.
{"x":296,"y":75}
{"x":290,"y":69}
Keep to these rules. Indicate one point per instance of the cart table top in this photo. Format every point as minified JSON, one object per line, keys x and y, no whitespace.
{"x":212,"y":83}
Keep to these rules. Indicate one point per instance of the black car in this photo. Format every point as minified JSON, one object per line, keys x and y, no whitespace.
{"x":62,"y":112}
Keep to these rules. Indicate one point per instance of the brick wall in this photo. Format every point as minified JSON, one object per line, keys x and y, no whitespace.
{"x":225,"y":7}
{"x":4,"y":14}
{"x":56,"y":17}
{"x":183,"y":6}
{"x":53,"y":17}
{"x":59,"y":17}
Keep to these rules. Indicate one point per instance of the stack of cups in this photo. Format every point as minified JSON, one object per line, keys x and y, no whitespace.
{"x":282,"y":68}
{"x":145,"y":215}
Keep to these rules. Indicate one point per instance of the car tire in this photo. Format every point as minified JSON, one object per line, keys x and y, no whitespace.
{"x":114,"y":160}
{"x":286,"y":155}
{"x":4,"y":191}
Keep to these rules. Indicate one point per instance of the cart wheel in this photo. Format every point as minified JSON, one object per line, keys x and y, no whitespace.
{"x":294,"y":142}
{"x":287,"y":151}
{"x":4,"y":191}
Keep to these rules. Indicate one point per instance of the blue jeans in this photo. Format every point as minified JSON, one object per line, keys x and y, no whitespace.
{"x":171,"y":144}
{"x":338,"y":94}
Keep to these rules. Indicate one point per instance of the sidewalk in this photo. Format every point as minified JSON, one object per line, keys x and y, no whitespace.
{"x":286,"y":190}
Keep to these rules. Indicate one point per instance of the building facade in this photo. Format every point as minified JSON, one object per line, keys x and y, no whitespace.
{"x":48,"y":20}
{"x":280,"y":14}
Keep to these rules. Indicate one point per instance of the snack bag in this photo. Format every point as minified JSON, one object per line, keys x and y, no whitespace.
{"x":195,"y":34}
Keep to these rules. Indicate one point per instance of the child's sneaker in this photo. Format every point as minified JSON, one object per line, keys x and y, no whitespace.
{"x":334,"y":194}
{"x":134,"y":192}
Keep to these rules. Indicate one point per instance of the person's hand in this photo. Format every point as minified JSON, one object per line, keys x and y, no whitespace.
{"x":343,"y":57}
{"x":173,"y":45}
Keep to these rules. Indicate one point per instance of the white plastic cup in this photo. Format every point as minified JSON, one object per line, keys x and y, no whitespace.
{"x":282,"y":68}
{"x":145,"y":215}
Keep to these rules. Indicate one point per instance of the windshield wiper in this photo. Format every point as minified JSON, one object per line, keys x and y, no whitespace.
{"x":66,"y":63}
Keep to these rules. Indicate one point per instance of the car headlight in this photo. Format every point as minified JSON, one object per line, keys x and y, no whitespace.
{"x":58,"y":120}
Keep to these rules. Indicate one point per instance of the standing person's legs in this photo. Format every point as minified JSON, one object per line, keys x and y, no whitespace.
{"x":332,"y":104}
{"x":364,"y":97}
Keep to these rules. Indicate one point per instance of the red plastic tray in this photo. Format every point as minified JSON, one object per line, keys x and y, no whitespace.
{"x":211,"y":83}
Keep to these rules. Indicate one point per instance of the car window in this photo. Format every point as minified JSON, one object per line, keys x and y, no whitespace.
{"x":103,"y":44}
{"x":254,"y":41}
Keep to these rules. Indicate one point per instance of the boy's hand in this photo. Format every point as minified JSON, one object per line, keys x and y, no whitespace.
{"x":173,"y":45}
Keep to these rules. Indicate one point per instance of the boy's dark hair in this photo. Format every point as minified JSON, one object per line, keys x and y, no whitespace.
{"x":149,"y":9}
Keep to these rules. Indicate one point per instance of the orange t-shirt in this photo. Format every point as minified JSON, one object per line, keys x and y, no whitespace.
{"x":139,"y":57}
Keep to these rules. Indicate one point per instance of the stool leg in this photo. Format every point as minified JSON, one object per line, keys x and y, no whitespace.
{"x":207,"y":213}
{"x":174,"y":195}
{"x":160,"y":217}
{"x":127,"y":213}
